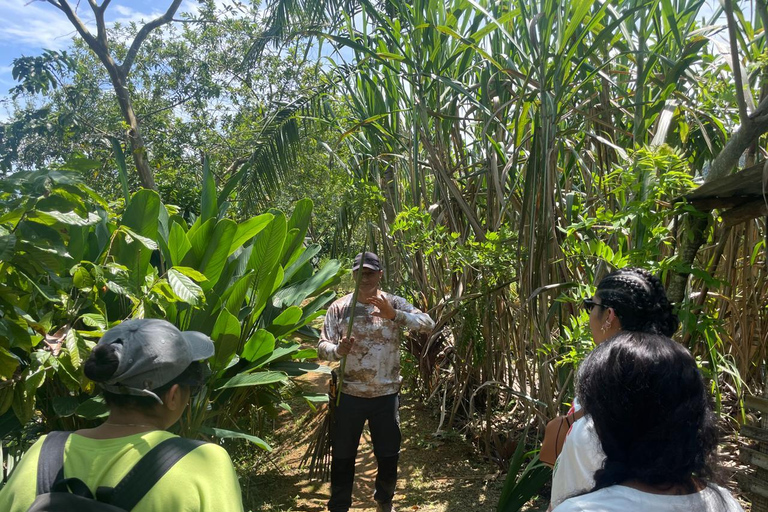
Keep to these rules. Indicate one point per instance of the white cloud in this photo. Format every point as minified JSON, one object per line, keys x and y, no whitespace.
{"x":37,"y":24}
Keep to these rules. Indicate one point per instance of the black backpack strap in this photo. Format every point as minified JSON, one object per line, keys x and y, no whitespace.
{"x":151,"y":468}
{"x":72,"y":486}
{"x":50,"y":462}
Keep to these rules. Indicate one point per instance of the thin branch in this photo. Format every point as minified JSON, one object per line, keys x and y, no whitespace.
{"x":165,"y":108}
{"x":64,"y":6}
{"x":735,"y":63}
{"x":98,"y":13}
{"x":144,"y":32}
{"x":194,"y":20}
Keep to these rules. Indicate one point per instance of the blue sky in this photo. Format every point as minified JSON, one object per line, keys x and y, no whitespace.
{"x":28,"y":27}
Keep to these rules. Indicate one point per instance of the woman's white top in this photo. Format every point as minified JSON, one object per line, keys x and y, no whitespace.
{"x":582,"y":455}
{"x":619,"y":498}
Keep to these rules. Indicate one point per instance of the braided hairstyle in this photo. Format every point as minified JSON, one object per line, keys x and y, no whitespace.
{"x":639,"y":300}
{"x":651,"y":411}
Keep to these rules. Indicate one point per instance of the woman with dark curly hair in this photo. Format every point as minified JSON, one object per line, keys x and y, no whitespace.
{"x":628,"y":299}
{"x":651,"y":412}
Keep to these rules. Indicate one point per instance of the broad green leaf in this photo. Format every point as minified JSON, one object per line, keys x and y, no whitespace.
{"x":318,"y":303}
{"x":9,"y":362}
{"x":226,"y":337}
{"x":93,"y":408}
{"x":16,"y":330}
{"x":304,"y":258}
{"x":7,"y":245}
{"x":200,"y":239}
{"x":95,"y":320}
{"x":267,"y":247}
{"x":215,"y":256}
{"x":287,"y":322}
{"x":235,"y":294}
{"x":208,"y":207}
{"x":191,"y":273}
{"x":248,"y":229}
{"x":65,"y":406}
{"x":282,"y":352}
{"x":76,"y":346}
{"x":121,"y":169}
{"x":24,"y":395}
{"x":297,"y":292}
{"x":233,"y":182}
{"x":261,"y":344}
{"x":230,"y":434}
{"x":142,"y":213}
{"x":254,"y":379}
{"x":185,"y":288}
{"x":141,"y":217}
{"x":264,"y":260}
{"x":302,"y":213}
{"x":81,"y":164}
{"x":43,"y":290}
{"x":12,"y":218}
{"x":131,"y":235}
{"x":317,"y":398}
{"x":68,"y":218}
{"x":288,"y":317}
{"x":296,"y":368}
{"x":178,"y":243}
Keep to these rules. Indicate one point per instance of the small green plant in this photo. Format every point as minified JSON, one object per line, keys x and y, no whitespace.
{"x":525,"y":478}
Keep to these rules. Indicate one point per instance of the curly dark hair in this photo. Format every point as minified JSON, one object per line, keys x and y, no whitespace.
{"x":639,"y":300}
{"x":103,"y":363}
{"x":651,"y":411}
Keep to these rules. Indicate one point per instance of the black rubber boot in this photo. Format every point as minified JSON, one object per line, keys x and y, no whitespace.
{"x":342,"y":480}
{"x":386,"y":480}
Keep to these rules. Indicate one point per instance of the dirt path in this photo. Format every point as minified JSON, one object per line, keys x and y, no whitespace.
{"x":437,"y":473}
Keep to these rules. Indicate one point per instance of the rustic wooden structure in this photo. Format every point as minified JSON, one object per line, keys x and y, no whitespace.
{"x":739,"y":197}
{"x":755,"y":483}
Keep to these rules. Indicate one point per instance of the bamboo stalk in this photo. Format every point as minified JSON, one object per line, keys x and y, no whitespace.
{"x":353,"y":308}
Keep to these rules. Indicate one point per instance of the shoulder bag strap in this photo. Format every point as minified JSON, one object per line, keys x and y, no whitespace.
{"x":149,"y":470}
{"x":50,"y":462}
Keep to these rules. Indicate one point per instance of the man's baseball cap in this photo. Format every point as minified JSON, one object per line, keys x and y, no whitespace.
{"x":151,"y":353}
{"x":367,"y":260}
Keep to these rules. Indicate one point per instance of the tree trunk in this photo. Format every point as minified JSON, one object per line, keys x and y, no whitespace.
{"x":694,"y":228}
{"x":138,"y":149}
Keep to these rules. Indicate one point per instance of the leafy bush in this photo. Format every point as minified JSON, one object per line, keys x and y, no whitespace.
{"x":73,"y":266}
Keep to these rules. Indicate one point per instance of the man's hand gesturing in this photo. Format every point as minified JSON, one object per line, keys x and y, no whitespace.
{"x":345,"y":345}
{"x":385,"y":310}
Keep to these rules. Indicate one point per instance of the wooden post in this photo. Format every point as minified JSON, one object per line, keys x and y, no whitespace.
{"x":755,"y":484}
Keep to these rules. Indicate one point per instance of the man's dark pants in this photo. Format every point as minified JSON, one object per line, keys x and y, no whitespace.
{"x":384,"y":423}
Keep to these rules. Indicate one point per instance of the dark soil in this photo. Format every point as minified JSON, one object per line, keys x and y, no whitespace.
{"x":438,"y":473}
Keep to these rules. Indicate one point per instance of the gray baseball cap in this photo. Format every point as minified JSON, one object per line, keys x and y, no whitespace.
{"x":366,"y":260}
{"x":151,"y":353}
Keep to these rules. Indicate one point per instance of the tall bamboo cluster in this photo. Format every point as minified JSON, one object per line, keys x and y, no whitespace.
{"x":520,"y":150}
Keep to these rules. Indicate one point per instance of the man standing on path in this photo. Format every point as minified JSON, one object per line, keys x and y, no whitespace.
{"x":371,"y":380}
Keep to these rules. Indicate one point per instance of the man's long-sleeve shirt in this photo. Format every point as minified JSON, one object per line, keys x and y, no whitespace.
{"x":373,"y":364}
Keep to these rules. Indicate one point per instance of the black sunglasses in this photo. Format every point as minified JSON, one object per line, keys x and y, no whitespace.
{"x":590,"y":303}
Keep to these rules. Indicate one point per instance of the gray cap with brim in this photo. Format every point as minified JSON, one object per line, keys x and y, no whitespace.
{"x":151,"y":353}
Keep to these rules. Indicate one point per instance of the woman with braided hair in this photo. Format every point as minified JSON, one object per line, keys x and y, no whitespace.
{"x":626,"y":300}
{"x":650,"y":408}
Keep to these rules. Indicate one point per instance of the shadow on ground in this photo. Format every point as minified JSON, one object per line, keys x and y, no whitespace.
{"x":437,"y":473}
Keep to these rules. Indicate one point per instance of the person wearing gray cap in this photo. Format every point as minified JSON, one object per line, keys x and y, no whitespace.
{"x":148,"y":370}
{"x":371,"y":381}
